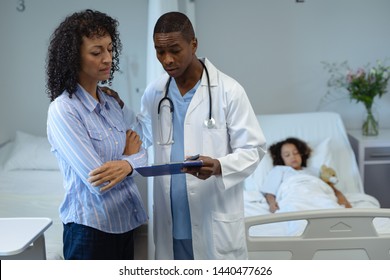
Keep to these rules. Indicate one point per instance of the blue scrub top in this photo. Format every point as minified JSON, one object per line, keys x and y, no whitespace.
{"x":179,"y":199}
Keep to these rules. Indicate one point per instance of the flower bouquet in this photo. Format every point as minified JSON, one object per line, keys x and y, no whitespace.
{"x":363,"y":85}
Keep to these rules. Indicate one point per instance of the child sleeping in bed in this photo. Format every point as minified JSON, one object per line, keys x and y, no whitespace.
{"x":290,"y":159}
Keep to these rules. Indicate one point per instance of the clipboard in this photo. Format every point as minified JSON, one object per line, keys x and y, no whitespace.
{"x":167,"y":168}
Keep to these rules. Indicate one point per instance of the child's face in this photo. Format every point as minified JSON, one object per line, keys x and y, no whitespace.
{"x":291,"y":156}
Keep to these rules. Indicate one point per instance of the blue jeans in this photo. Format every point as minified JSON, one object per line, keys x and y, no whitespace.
{"x":86,"y":243}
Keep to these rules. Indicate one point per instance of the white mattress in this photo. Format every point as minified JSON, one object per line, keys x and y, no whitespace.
{"x":33,"y":193}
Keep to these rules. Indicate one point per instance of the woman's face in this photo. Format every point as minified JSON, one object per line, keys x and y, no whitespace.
{"x":291,"y":156}
{"x":96,"y":60}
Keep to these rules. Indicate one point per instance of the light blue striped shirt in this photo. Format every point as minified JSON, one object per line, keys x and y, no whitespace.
{"x":84,"y":134}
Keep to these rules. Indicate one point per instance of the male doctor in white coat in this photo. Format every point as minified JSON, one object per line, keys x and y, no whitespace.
{"x":198,"y":214}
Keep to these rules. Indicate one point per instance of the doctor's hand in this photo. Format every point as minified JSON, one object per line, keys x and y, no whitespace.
{"x":111,"y":172}
{"x":210,"y":167}
{"x":114,"y":94}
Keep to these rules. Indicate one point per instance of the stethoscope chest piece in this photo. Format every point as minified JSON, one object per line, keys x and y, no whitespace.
{"x":209,"y":123}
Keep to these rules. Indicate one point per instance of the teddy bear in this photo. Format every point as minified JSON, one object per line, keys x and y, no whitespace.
{"x":328,"y":175}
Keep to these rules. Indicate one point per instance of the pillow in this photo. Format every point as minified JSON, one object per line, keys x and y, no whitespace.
{"x":320,"y":155}
{"x":30,"y":152}
{"x":255,"y":180}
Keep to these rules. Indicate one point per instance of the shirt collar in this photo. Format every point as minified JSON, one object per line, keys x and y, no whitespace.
{"x":89,"y":102}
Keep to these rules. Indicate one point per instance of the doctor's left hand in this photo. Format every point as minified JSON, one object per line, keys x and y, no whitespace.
{"x":210,"y":167}
{"x":114,"y":94}
{"x":111,"y":172}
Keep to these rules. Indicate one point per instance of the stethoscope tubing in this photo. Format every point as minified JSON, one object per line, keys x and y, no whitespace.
{"x":209,"y":123}
{"x":166,"y":97}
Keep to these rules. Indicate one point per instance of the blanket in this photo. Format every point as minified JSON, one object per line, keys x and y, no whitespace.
{"x":305,"y":192}
{"x":302,"y":192}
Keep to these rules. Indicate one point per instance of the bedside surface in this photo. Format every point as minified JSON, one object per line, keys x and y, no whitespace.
{"x":17,"y":234}
{"x":383,"y":138}
{"x":373,"y":158}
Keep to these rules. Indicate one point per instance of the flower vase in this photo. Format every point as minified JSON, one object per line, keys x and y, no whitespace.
{"x":370,"y":125}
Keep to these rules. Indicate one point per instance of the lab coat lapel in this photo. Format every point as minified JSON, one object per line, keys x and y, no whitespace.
{"x":201,"y":96}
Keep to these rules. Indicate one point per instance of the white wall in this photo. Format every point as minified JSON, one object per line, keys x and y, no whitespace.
{"x":274,"y":48}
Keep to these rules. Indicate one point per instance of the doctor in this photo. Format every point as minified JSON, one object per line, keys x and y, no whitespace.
{"x":196,"y":109}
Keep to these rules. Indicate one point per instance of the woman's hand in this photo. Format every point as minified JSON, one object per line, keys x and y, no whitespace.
{"x":133,"y":143}
{"x":114,"y":94}
{"x":111,"y":172}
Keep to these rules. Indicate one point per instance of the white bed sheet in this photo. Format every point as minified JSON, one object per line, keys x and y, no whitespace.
{"x":33,"y":193}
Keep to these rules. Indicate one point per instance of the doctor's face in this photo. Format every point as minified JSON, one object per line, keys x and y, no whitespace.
{"x":291,"y":156}
{"x":174,"y":52}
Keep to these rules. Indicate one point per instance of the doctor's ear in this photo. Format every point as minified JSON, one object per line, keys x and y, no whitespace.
{"x":194,"y":43}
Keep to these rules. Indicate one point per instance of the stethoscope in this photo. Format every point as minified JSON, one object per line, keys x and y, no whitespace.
{"x":209,"y":123}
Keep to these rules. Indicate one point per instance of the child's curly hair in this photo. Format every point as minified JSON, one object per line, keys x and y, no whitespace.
{"x":63,"y":59}
{"x":302,"y":147}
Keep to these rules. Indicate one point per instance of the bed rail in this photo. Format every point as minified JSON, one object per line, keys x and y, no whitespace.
{"x":329,"y":234}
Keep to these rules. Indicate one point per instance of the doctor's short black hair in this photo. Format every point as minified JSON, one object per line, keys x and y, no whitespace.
{"x":175,"y":22}
{"x":302,"y":147}
{"x":63,"y":58}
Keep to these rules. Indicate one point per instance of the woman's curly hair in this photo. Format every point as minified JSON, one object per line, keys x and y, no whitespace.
{"x":63,"y":59}
{"x":302,"y":147}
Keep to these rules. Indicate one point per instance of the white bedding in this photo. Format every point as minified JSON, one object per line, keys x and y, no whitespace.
{"x":32,"y":193}
{"x":307,"y":192}
{"x":301,"y":193}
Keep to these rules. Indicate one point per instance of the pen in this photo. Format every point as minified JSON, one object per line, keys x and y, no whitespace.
{"x":195,"y":157}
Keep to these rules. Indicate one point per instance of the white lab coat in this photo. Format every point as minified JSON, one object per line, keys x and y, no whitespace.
{"x":237,"y":141}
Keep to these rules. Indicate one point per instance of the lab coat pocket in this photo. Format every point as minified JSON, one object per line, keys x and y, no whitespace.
{"x":215,"y":142}
{"x":229,"y":235}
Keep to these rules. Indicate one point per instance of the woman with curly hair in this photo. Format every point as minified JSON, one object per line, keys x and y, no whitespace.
{"x":91,"y":136}
{"x":289,"y":158}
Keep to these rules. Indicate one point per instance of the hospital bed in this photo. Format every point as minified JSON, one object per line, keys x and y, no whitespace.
{"x":31,"y":187}
{"x":314,"y":226}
